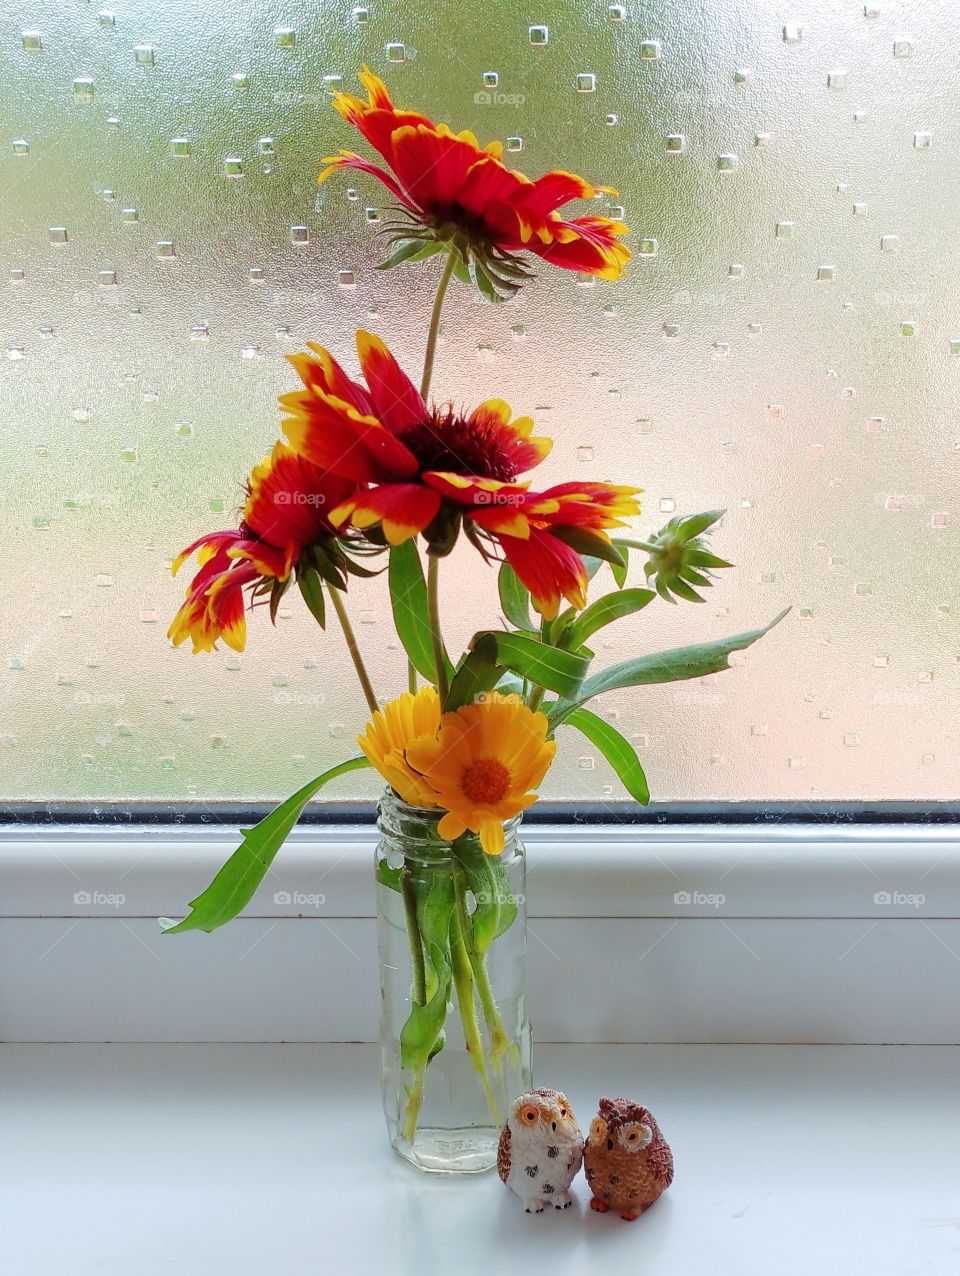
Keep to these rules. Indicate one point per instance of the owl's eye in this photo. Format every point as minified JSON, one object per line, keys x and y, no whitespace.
{"x":598,"y":1130}
{"x":529,"y":1115}
{"x":635,"y":1136}
{"x":563,"y":1112}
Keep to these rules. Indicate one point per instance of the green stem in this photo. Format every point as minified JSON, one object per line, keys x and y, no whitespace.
{"x":536,"y":695}
{"x":433,"y":613}
{"x":499,"y":1041}
{"x":416,"y":940}
{"x":651,"y":549}
{"x":434,"y":330}
{"x":463,"y":982}
{"x":354,"y":649}
{"x":414,"y":1100}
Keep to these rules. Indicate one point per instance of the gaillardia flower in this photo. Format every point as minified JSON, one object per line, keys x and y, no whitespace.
{"x":286,"y":515}
{"x":455,"y":192}
{"x":389,"y":732}
{"x":427,"y":469}
{"x":482,"y":765}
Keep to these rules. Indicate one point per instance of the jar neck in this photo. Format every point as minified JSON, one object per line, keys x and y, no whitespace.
{"x":412,"y":830}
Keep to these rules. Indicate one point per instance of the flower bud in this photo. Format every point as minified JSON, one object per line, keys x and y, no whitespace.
{"x":679,"y":560}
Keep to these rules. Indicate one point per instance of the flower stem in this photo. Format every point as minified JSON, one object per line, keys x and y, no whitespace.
{"x":413,"y":933}
{"x":536,"y":694}
{"x":434,"y":330}
{"x":463,"y":982}
{"x":651,"y":549}
{"x":433,"y":612}
{"x":353,"y":648}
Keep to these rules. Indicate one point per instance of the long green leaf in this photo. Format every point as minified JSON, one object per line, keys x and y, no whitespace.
{"x":408,"y":598}
{"x":476,"y":673}
{"x":514,"y":599}
{"x":233,"y":887}
{"x":662,"y":666}
{"x":609,"y":608}
{"x":559,"y":671}
{"x":421,"y":1031}
{"x":615,"y":749}
{"x":496,"y":905}
{"x":410,"y":250}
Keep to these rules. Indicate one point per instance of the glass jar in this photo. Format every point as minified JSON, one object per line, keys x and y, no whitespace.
{"x":454,"y":1033}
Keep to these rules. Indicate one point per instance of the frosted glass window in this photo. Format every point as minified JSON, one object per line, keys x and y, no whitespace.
{"x":787,"y":346}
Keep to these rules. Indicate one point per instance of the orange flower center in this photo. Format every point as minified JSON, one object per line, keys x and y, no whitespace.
{"x":486,"y":781}
{"x":450,"y":442}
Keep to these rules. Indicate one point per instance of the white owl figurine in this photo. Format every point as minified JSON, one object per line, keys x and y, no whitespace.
{"x":541,"y":1150}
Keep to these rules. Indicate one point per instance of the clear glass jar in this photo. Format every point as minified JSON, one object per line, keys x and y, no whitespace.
{"x":454,"y":1033}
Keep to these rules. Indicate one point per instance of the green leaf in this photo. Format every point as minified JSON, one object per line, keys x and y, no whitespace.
{"x":619,"y":570}
{"x":477,"y":672}
{"x":408,"y":597}
{"x":539,"y":662}
{"x":435,"y":904}
{"x":609,"y":608}
{"x":311,"y":588}
{"x":233,"y":887}
{"x":496,"y":905}
{"x":410,"y":250}
{"x":514,"y":599}
{"x":662,"y":666}
{"x":461,"y":272}
{"x":489,"y":283}
{"x":615,"y":749}
{"x":277,"y":592}
{"x":588,"y":543}
{"x":698,"y":523}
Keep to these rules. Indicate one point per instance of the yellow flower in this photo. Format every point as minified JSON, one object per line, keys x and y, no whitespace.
{"x":391,"y":730}
{"x":482,"y":764}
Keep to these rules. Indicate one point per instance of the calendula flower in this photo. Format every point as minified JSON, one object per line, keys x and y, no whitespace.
{"x":483,"y":764}
{"x":455,"y":192}
{"x":429,"y":469}
{"x":391,"y":730}
{"x":286,"y":514}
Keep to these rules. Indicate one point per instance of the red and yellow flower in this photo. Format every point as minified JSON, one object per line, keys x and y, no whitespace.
{"x":421,"y":469}
{"x":287,"y":509}
{"x":462,"y":193}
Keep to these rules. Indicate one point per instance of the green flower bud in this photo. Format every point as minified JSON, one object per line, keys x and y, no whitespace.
{"x":679,"y":559}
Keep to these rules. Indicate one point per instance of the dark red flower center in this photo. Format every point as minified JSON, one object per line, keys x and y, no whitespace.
{"x":448,"y":441}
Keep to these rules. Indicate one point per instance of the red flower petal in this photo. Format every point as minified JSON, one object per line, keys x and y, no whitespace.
{"x":403,"y":510}
{"x":396,"y":399}
{"x":549,"y":569}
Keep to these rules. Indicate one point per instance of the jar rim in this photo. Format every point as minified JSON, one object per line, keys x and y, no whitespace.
{"x":427,"y":814}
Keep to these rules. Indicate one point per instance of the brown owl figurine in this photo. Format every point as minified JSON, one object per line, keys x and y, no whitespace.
{"x":626,"y":1159}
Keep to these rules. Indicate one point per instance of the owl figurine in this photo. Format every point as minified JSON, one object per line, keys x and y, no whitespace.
{"x":627,"y":1160}
{"x":540,"y":1150}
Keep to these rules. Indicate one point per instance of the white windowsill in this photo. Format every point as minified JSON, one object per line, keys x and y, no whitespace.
{"x":253,"y":1159}
{"x":718,"y":934}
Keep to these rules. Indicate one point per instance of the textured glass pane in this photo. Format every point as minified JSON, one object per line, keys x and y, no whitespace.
{"x":787,"y":346}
